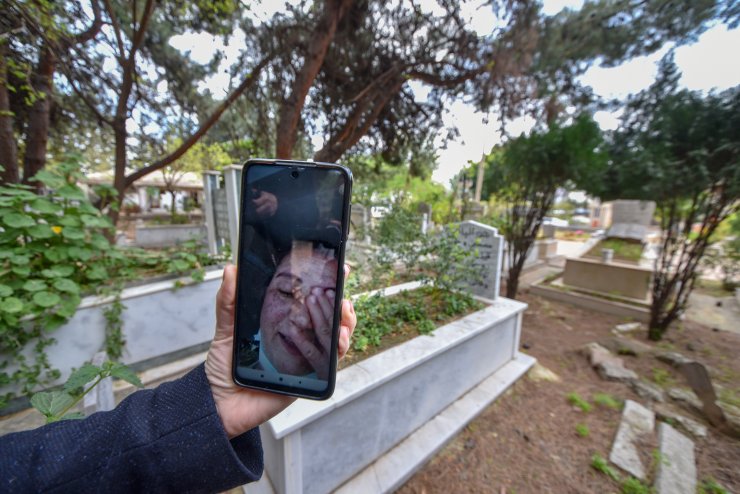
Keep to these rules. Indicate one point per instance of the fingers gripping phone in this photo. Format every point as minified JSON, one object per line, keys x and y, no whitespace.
{"x":294,"y":220}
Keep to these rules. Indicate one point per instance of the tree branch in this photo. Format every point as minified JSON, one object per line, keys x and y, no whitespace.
{"x":190,"y":141}
{"x":116,"y":30}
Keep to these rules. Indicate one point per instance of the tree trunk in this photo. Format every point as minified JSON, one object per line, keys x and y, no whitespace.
{"x":290,"y":111}
{"x":173,"y":209}
{"x":37,"y":133}
{"x":8,"y":149}
{"x":119,"y":178}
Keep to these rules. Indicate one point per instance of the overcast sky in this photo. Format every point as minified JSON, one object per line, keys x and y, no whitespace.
{"x":705,"y":65}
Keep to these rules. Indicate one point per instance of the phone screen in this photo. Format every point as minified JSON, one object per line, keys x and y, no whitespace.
{"x":293,"y":223}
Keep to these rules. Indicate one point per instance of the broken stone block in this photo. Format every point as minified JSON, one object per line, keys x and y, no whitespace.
{"x":686,"y":399}
{"x":627,"y":346}
{"x":676,"y":473}
{"x":609,"y":366}
{"x":636,"y":421}
{"x":673,"y":358}
{"x":648,"y":390}
{"x":627,"y":327}
{"x":616,"y":371}
{"x":542,"y":373}
{"x":689,"y":425}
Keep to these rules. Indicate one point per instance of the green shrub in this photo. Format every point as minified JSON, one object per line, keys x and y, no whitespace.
{"x":53,"y":251}
{"x":582,"y":430}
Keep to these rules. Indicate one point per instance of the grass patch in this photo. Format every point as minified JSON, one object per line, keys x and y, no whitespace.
{"x":624,"y":250}
{"x":662,"y":377}
{"x":730,"y":397}
{"x":600,"y":464}
{"x":577,"y":401}
{"x":714,"y":288}
{"x":631,"y":485}
{"x":710,"y":486}
{"x":582,"y":430}
{"x":608,"y":401}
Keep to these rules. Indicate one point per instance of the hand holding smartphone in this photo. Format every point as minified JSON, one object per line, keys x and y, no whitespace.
{"x":294,"y":221}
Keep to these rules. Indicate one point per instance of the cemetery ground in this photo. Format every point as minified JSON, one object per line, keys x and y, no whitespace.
{"x":534,"y":439}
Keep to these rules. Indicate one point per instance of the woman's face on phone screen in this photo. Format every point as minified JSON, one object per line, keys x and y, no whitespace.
{"x":297,"y":313}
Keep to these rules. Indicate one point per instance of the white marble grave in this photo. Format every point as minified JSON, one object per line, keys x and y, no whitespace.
{"x":378,"y":404}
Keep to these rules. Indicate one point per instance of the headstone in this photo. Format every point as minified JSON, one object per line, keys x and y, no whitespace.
{"x":100,"y":398}
{"x":548,"y":231}
{"x":637,"y":421}
{"x":631,"y":219}
{"x":607,"y":255}
{"x":633,"y":212}
{"x":677,"y":467}
{"x":486,"y":242}
{"x":698,"y":377}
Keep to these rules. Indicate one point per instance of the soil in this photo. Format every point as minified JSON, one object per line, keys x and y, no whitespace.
{"x":526,"y":442}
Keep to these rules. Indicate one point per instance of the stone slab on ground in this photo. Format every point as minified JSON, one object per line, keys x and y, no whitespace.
{"x":627,"y":327}
{"x":627,"y":346}
{"x":637,"y":421}
{"x":689,"y":425}
{"x":686,"y":399}
{"x":673,"y":358}
{"x":609,"y":366}
{"x":677,"y":466}
{"x":648,"y":390}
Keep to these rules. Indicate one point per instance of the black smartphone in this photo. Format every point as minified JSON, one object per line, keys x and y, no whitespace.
{"x":293,"y":226}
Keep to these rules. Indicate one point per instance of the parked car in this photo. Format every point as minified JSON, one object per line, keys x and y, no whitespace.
{"x":548,"y":220}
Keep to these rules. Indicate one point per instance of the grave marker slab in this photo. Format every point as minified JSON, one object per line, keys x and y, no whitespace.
{"x":489,"y":246}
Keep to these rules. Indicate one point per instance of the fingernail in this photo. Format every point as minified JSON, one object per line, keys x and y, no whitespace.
{"x":352,"y":307}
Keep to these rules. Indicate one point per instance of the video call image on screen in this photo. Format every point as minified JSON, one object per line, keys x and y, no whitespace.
{"x":291,"y":234}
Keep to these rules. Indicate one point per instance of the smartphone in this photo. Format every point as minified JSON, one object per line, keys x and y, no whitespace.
{"x":293,"y":226}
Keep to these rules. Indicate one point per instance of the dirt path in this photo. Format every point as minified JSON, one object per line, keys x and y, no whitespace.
{"x":527,"y":442}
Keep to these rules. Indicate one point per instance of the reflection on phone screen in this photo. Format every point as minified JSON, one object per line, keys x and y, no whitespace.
{"x":288,"y":275}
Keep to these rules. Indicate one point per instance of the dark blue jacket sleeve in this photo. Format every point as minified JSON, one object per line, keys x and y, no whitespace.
{"x":169,"y":439}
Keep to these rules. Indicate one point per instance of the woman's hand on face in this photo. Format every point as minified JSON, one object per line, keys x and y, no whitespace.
{"x":315,"y":347}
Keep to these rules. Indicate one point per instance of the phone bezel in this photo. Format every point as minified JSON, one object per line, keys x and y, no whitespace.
{"x":346,"y":205}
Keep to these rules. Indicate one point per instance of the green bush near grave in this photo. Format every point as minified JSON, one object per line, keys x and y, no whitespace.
{"x":54,"y":250}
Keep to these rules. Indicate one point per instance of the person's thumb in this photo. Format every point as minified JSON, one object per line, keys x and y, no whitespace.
{"x":225,"y":303}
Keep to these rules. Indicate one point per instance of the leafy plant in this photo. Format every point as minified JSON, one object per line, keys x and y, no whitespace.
{"x":379,"y":316}
{"x":582,"y":430}
{"x":577,"y":401}
{"x":607,"y":400}
{"x":600,"y":464}
{"x":54,"y":250}
{"x":56,"y":405}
